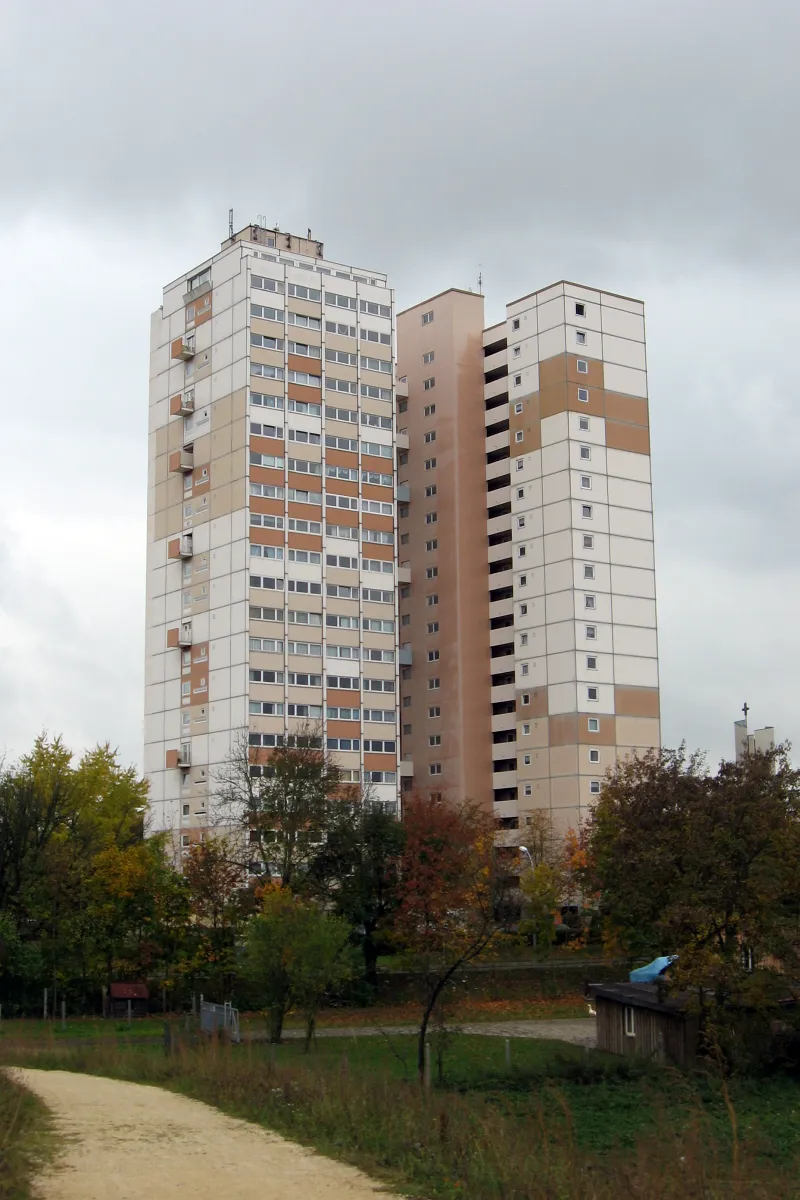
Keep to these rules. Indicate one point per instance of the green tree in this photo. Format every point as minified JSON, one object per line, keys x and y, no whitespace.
{"x":706,"y":867}
{"x":541,"y":888}
{"x":219,"y":905}
{"x":356,"y":872}
{"x":294,"y":952}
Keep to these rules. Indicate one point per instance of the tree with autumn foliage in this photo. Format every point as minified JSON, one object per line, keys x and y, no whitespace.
{"x":706,"y":867}
{"x":219,"y":905}
{"x":451,"y":894}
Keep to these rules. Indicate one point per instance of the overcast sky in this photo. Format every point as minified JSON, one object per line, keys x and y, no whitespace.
{"x":643,"y":147}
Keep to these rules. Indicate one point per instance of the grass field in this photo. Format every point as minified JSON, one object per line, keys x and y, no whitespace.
{"x":559,"y":1124}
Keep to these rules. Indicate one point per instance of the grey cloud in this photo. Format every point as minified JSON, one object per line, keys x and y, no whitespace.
{"x":641,"y":147}
{"x":651,"y":122}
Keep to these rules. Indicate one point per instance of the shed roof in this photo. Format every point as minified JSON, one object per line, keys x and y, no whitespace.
{"x":640,"y":995}
{"x":129,"y":991}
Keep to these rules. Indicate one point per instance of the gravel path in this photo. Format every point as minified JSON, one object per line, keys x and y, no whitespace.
{"x":581,"y":1031}
{"x":125,"y":1141}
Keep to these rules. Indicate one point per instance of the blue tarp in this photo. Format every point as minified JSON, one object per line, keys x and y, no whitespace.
{"x":650,"y":973}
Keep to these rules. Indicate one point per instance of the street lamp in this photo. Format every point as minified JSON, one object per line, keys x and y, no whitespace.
{"x":525,"y":850}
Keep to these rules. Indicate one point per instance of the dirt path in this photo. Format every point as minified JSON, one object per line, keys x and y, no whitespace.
{"x":126,"y":1141}
{"x":581,"y":1031}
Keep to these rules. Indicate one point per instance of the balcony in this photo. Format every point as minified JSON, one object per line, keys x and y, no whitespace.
{"x":180,"y":635}
{"x":402,"y":439}
{"x":401,"y":388}
{"x":185,"y":755}
{"x":181,"y":405}
{"x":405,"y":768}
{"x":404,"y":656}
{"x":182,"y":348}
{"x":403,"y":493}
{"x":181,"y":461}
{"x":180,"y":547}
{"x":404,"y":574}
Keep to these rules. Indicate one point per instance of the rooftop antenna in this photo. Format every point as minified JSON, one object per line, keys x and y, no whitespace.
{"x":745,"y":710}
{"x":230,"y":223}
{"x":480,"y":279}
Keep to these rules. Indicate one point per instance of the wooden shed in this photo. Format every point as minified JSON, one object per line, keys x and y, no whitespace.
{"x":639,"y":1018}
{"x":119,"y":994}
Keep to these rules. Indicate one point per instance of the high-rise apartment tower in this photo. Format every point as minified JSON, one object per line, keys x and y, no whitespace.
{"x":271,"y":568}
{"x":528,"y":538}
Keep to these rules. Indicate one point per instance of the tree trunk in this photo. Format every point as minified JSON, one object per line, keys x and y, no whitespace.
{"x":276,"y":1015}
{"x":370,"y":957}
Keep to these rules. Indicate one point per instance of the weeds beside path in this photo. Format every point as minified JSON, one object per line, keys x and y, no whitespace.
{"x":25,"y":1138}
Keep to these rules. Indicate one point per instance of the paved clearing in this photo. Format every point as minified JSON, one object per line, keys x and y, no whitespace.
{"x":125,"y":1141}
{"x":581,"y":1031}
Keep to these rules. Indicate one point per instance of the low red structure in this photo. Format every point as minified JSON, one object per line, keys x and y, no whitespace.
{"x":120,"y":994}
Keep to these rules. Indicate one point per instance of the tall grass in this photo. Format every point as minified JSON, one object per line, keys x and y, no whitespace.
{"x":24,"y":1138}
{"x":437,"y":1144}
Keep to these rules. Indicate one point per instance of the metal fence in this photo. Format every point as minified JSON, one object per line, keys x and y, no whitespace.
{"x":219,"y":1018}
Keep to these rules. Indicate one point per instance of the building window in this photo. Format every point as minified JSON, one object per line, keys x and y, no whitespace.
{"x":433,"y":627}
{"x":427,"y":384}
{"x":594,"y":756}
{"x":526,"y":760}
{"x":588,"y":541}
{"x":427,"y":317}
{"x":519,"y":435}
{"x":428,"y":358}
{"x":517,"y":381}
{"x":528,"y":790}
{"x":526,"y":728}
{"x":434,"y":711}
{"x":523,"y":581}
{"x":435,"y":769}
{"x":583,"y":366}
{"x":523,"y":639}
{"x":431,"y":518}
{"x":429,"y":410}
{"x":430,"y":463}
{"x":432,"y":600}
{"x":431,"y":572}
{"x":430,"y":436}
{"x":586,"y":512}
{"x":521,"y":551}
{"x":517,"y":351}
{"x":515,"y":324}
{"x":588,"y":571}
{"x":433,"y":656}
{"x":580,"y":337}
{"x":583,"y":394}
{"x":430,"y":490}
{"x":435,"y":739}
{"x":520,"y":493}
{"x":586,"y":453}
{"x":520,"y":463}
{"x":586,"y":482}
{"x":186,"y":810}
{"x":591,"y":662}
{"x":630,"y":1023}
{"x":594,"y":787}
{"x":591,"y":633}
{"x":523,"y":610}
{"x":583,"y":424}
{"x":434,"y":684}
{"x":589,"y":602}
{"x":524,"y":669}
{"x":594,"y":724}
{"x":526,"y":697}
{"x":406,"y":702}
{"x":520,"y":522}
{"x":580,"y":309}
{"x":592,"y":694}
{"x":433,"y":544}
